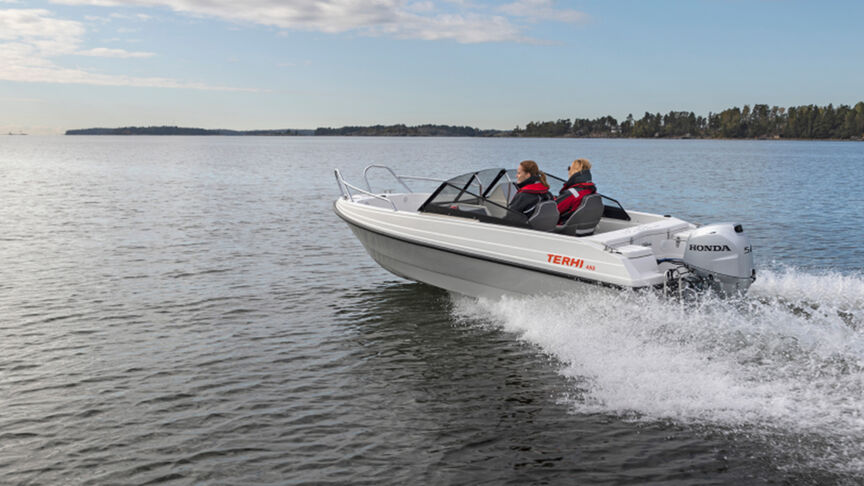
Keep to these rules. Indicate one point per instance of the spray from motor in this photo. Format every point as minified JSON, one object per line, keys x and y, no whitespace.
{"x":785,"y":363}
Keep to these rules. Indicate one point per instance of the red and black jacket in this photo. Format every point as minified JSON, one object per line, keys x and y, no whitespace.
{"x":571,"y":195}
{"x":531,"y":193}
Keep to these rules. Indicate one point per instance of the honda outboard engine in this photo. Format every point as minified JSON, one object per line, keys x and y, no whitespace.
{"x":721,"y":256}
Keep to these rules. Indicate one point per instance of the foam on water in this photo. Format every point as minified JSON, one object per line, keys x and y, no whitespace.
{"x":786,"y":363}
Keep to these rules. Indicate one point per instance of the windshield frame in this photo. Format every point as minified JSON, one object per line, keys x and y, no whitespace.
{"x":451,"y":208}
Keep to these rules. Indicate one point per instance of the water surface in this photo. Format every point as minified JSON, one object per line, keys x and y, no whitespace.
{"x":189,"y":310}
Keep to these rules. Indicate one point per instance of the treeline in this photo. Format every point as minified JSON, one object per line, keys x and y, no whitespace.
{"x":168,"y":130}
{"x":415,"y":131}
{"x":760,"y":121}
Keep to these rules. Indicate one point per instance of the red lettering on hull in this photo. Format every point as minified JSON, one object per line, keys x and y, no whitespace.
{"x":568,"y":261}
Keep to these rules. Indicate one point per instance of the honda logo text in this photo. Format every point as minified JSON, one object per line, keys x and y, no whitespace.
{"x":710,"y":248}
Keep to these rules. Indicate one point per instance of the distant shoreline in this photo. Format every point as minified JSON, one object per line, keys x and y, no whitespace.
{"x":171,"y":130}
{"x":423,"y":131}
{"x":761,"y":122}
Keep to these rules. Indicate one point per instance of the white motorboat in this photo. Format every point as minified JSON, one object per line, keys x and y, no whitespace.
{"x":463,"y":238}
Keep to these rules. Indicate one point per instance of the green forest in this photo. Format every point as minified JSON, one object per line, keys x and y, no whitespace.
{"x":760,"y":121}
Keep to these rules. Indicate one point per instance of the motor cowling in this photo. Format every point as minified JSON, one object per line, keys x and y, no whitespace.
{"x":722,"y":256}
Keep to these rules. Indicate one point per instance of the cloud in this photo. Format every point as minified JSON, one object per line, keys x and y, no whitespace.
{"x":536,"y":10}
{"x":31,"y":38}
{"x":465,"y":29}
{"x":116,"y":16}
{"x":35,"y":28}
{"x":20,"y":62}
{"x":120,"y":53}
{"x":408,"y":19}
{"x":140,"y":16}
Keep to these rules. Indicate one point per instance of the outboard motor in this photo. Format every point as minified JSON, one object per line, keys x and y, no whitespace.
{"x":721,"y":256}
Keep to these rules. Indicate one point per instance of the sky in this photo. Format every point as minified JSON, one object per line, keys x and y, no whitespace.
{"x":260,"y":64}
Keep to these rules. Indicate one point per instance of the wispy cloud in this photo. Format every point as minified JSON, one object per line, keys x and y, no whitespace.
{"x":97,"y":19}
{"x":31,"y":40}
{"x":119,"y":53}
{"x":140,"y":16}
{"x":36,"y":30}
{"x":449,"y":20}
{"x":46,"y":72}
{"x":117,"y":16}
{"x":536,"y":10}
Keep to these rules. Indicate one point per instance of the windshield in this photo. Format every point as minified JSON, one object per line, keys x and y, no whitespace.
{"x":486,"y":195}
{"x":480,"y":195}
{"x":470,"y":187}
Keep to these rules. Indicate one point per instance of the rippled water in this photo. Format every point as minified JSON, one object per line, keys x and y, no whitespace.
{"x":189,"y":310}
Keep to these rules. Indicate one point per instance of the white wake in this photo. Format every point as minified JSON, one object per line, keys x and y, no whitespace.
{"x":789,"y":357}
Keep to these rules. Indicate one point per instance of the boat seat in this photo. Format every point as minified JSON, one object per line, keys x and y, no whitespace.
{"x":545,"y":216}
{"x":586,"y":217}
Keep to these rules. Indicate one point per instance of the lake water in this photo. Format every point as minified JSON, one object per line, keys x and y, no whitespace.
{"x":190,"y":311}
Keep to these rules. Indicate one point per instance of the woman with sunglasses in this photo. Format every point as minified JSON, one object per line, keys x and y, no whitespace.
{"x":575,"y":189}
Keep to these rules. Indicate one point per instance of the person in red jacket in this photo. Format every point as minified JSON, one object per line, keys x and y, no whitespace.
{"x":577,"y":187}
{"x":533,"y":188}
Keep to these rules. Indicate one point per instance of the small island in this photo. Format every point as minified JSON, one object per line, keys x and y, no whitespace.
{"x":171,"y":130}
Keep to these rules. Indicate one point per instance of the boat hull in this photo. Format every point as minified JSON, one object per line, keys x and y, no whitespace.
{"x":488,"y":260}
{"x":468,"y":275}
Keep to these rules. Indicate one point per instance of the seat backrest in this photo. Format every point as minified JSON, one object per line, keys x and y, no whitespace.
{"x":586,"y":217}
{"x":545,"y":216}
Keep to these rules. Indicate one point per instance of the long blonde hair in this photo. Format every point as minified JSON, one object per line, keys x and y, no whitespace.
{"x":531,"y":167}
